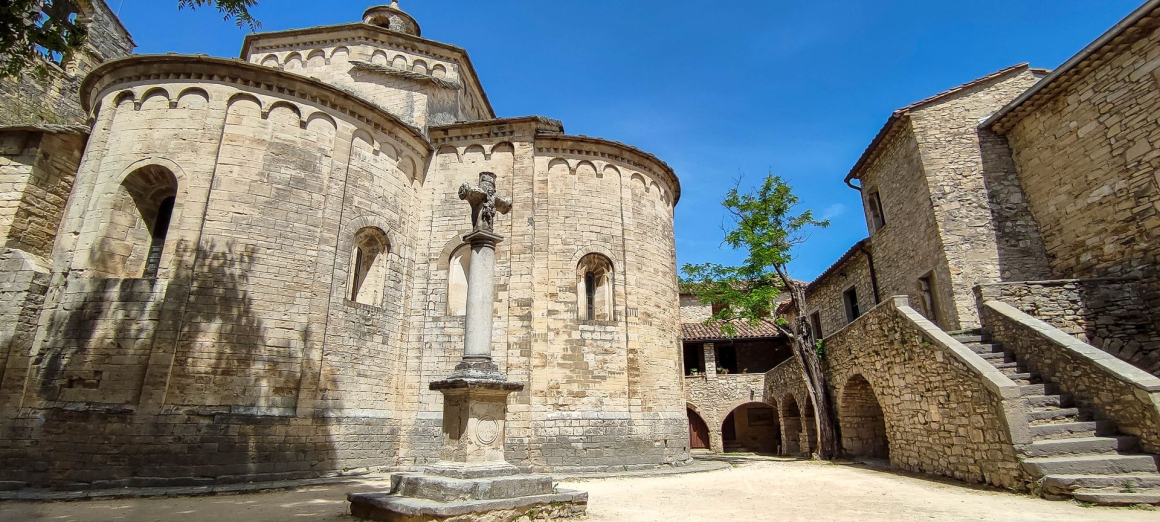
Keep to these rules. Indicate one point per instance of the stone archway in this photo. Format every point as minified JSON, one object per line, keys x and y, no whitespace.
{"x":752,"y":426}
{"x":791,"y":426}
{"x":861,"y":420}
{"x":698,"y":431}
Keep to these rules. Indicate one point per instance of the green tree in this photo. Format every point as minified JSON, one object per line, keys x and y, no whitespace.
{"x":32,"y":30}
{"x":766,"y":226}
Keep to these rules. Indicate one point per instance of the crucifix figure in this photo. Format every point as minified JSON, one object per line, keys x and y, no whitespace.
{"x":484,"y":202}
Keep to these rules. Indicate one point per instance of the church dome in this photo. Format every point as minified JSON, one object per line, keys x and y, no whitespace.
{"x":392,"y":18}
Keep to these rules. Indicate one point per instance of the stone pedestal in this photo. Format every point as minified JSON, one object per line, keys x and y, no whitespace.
{"x":474,"y":418}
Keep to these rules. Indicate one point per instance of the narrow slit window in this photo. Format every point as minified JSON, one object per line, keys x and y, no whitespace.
{"x":877,"y":217}
{"x":590,"y":293}
{"x":160,"y":230}
{"x":850,"y":299}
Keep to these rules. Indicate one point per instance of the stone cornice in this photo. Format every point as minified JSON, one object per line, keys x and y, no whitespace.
{"x":528,"y":126}
{"x":275,"y":82}
{"x":391,"y":71}
{"x":627,"y":154}
{"x":334,"y":34}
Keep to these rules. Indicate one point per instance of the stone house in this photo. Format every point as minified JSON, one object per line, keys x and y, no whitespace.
{"x":1012,"y":337}
{"x":255,"y":268}
{"x":724,"y":381}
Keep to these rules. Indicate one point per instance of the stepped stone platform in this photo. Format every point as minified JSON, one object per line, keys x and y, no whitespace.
{"x":421,"y":497}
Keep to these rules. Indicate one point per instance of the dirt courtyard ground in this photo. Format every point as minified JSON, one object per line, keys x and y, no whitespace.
{"x":756,"y":489}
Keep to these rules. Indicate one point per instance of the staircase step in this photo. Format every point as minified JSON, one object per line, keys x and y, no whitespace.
{"x":969,"y":338}
{"x":1049,"y":401}
{"x":1039,"y":389}
{"x":1090,"y":465}
{"x":1116,"y":497}
{"x":1005,"y":365}
{"x":1065,"y":484}
{"x":993,"y":356}
{"x":1021,"y":378}
{"x":1081,"y":446}
{"x":1056,"y":415}
{"x":1067,"y":430}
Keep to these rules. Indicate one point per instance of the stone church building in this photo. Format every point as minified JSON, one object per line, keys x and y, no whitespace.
{"x":225,"y":270}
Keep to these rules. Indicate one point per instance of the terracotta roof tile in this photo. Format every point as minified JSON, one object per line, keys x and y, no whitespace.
{"x":702,"y":332}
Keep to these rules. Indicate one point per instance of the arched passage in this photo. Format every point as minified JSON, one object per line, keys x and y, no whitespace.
{"x":751,"y":427}
{"x":698,"y":430}
{"x":791,"y":426}
{"x":861,"y":420}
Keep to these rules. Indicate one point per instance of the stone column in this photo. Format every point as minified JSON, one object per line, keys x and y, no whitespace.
{"x":480,"y":308}
{"x":475,"y":395}
{"x":710,"y":361}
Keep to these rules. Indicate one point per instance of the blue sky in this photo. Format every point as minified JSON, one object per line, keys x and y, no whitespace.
{"x":717,"y":89}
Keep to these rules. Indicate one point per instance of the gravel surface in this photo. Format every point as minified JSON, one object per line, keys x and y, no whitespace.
{"x":754,"y":489}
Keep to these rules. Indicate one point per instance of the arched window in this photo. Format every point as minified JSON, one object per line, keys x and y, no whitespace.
{"x":368,"y":273}
{"x":133,"y":239}
{"x":457,"y":272}
{"x":594,"y":288}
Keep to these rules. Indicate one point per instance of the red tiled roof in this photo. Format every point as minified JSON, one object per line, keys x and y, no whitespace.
{"x":741,"y":330}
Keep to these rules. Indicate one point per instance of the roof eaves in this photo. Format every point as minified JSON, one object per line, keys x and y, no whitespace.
{"x":887,"y":130}
{"x":1002,"y":120}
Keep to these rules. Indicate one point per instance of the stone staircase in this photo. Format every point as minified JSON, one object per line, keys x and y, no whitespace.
{"x":1073,"y":454}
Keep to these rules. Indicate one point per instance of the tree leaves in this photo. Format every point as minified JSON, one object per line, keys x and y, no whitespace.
{"x":765,"y":226}
{"x":34,"y":33}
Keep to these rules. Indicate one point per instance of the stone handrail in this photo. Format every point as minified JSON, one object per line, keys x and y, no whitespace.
{"x":1115,"y":389}
{"x":1007,"y":391}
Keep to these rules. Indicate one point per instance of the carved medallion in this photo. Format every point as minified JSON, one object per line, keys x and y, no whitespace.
{"x":487,"y":430}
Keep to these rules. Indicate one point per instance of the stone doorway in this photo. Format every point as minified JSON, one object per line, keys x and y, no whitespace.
{"x":698,"y":431}
{"x":861,"y":420}
{"x":751,"y":427}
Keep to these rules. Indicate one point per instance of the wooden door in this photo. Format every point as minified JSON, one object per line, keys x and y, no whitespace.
{"x":698,"y":431}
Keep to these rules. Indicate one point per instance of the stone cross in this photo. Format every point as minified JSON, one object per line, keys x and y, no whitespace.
{"x":484,"y":202}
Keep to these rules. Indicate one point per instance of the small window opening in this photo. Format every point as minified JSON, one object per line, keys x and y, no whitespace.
{"x":850,"y":299}
{"x":590,"y":294}
{"x":368,"y":268}
{"x":594,"y":288}
{"x":160,"y":230}
{"x":929,"y":301}
{"x":877,"y":218}
{"x":816,"y":324}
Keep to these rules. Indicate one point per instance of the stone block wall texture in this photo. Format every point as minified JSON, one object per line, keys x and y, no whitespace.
{"x":714,"y":396}
{"x":785,"y":388}
{"x":941,"y":415}
{"x":1110,"y":313}
{"x":951,"y":208}
{"x":1088,"y":163}
{"x":55,"y":98}
{"x":246,"y":357}
{"x":1112,"y":388}
{"x":825,"y":295}
{"x":424,"y":83}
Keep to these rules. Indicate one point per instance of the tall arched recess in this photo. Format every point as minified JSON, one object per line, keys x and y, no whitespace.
{"x":863,"y":426}
{"x":752,"y":427}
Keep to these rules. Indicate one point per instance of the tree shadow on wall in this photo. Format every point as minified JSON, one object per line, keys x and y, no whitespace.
{"x":230,"y":393}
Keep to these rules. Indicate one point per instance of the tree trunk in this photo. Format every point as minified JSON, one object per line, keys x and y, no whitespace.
{"x":807,"y":356}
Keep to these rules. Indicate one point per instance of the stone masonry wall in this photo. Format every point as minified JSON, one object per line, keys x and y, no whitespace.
{"x":825,"y":296}
{"x":1088,"y":162}
{"x":942,"y":415}
{"x":1109,"y":314}
{"x":54,"y":98}
{"x":1112,"y":388}
{"x":714,"y":396}
{"x":972,"y":206}
{"x":908,"y":246}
